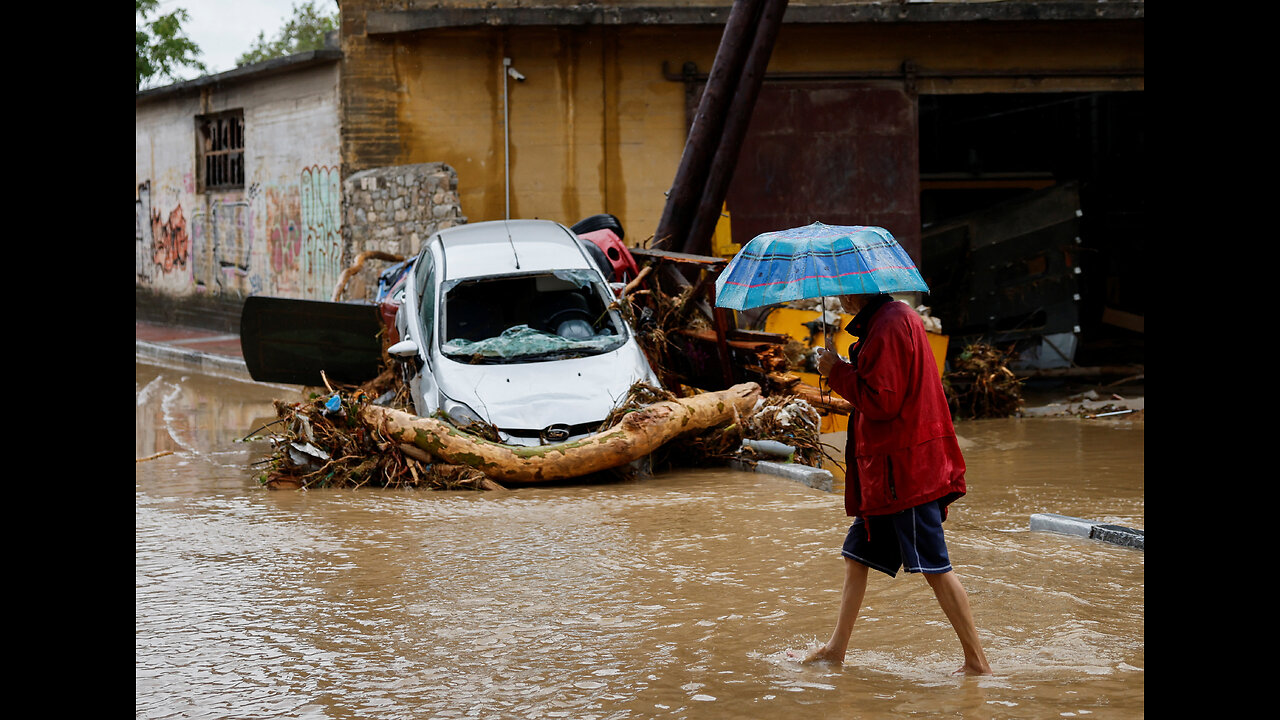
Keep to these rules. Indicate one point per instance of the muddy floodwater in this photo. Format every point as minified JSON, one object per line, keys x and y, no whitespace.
{"x":672,"y":597}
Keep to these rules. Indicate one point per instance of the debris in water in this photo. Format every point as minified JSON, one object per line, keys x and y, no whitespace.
{"x":981,"y":385}
{"x":789,"y":420}
{"x":1108,"y":414}
{"x":328,"y":444}
{"x":344,"y":438}
{"x":361,"y":444}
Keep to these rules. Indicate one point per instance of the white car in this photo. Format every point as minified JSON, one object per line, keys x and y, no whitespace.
{"x":509,"y":323}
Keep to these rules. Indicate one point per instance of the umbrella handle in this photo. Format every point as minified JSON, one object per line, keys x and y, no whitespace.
{"x":828,"y":338}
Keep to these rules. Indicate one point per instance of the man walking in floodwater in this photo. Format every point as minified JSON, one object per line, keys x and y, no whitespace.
{"x":903,"y":467}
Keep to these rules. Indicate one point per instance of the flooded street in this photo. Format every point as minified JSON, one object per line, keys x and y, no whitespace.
{"x":673,"y":597}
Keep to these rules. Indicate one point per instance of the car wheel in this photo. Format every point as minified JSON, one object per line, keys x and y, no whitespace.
{"x":603,"y":221}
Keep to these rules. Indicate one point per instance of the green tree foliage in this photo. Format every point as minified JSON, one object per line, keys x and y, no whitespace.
{"x":302,"y":32}
{"x":162,"y":48}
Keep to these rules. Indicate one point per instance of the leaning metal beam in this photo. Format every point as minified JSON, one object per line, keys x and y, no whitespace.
{"x":708,"y":124}
{"x":720,"y":173}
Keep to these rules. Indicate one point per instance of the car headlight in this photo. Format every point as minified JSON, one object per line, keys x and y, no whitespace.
{"x":461,"y":414}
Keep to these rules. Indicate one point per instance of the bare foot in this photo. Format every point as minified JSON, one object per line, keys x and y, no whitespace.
{"x":968,"y":669}
{"x":818,"y":654}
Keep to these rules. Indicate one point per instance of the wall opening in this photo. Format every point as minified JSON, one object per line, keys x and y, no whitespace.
{"x":1003,"y":170}
{"x":220,"y":150}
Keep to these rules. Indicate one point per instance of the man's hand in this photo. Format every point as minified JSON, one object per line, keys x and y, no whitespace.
{"x":825,"y":360}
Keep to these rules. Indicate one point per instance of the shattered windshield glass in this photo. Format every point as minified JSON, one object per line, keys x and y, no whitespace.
{"x":528,"y":318}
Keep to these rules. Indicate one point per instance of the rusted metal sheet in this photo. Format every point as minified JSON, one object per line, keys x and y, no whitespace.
{"x":839,"y":153}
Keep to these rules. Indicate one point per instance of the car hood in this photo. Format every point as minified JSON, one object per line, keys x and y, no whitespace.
{"x":534,"y":395}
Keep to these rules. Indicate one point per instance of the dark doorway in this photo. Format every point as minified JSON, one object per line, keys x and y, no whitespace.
{"x":981,"y":153}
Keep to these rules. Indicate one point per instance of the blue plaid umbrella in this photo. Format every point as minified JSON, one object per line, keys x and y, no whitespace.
{"x":816,"y":261}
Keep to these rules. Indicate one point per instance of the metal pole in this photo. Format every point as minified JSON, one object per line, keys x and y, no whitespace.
{"x":506,"y":134}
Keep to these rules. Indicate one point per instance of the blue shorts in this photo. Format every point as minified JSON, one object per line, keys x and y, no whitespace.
{"x":911,"y":540}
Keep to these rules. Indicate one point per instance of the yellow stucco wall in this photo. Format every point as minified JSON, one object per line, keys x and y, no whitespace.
{"x":596,"y":127}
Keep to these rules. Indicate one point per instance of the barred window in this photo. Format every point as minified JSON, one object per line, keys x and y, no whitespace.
{"x":220,"y":139}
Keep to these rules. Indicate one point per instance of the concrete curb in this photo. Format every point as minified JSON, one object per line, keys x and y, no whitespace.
{"x":1114,"y":534}
{"x":816,"y":478}
{"x":190,"y":359}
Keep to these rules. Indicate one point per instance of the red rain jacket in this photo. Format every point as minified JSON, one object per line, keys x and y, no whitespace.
{"x":902,"y":448}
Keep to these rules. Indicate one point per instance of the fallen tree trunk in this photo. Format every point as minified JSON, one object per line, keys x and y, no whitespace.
{"x":640,"y":433}
{"x":828,"y":400}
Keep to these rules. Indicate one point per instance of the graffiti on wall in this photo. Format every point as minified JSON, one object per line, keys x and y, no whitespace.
{"x":321,"y":200}
{"x":223,"y":241}
{"x":170,"y":243}
{"x":142,"y":232}
{"x":161,"y":242}
{"x":283,"y":239}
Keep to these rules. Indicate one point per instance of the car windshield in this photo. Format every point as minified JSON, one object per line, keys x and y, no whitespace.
{"x":529,"y":318}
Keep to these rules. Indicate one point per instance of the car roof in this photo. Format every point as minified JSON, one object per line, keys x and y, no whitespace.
{"x":503,"y":247}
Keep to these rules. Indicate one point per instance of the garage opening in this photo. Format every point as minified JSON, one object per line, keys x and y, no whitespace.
{"x":1033,"y":219}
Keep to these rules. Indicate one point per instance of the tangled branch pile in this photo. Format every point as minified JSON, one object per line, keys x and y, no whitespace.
{"x":654,"y":316}
{"x":327,"y":444}
{"x":777,"y":420}
{"x":707,"y":449}
{"x":337,"y":440}
{"x":981,"y":385}
{"x":791,"y":421}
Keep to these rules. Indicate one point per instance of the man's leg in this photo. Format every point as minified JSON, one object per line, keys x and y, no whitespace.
{"x":955,"y":603}
{"x":855,"y":587}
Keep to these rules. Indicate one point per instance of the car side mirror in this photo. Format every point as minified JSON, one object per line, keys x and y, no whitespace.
{"x":404,"y":349}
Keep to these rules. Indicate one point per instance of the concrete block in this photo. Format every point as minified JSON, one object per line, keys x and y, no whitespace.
{"x":1120,"y":535}
{"x":1049,"y":522}
{"x":1114,"y":534}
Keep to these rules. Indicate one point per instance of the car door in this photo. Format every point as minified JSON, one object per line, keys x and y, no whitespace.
{"x":418,"y":323}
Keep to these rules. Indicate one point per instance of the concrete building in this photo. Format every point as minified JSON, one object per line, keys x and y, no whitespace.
{"x":917,"y":116}
{"x":909,"y":115}
{"x":238,"y":188}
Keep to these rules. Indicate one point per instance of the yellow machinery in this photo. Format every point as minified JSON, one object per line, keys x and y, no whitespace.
{"x":791,"y":322}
